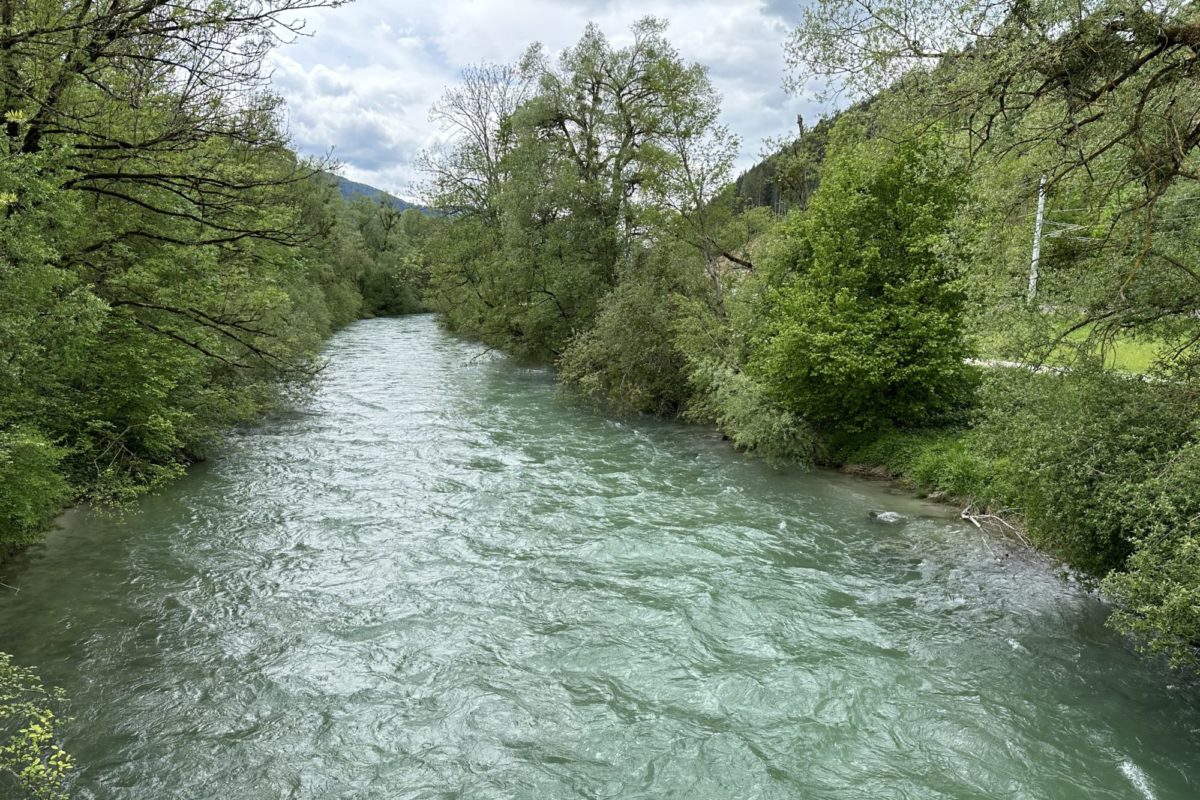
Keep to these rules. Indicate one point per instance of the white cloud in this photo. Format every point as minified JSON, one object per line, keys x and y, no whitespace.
{"x":363,"y":83}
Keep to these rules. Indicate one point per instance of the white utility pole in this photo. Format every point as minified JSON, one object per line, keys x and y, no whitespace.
{"x":1037,"y":239}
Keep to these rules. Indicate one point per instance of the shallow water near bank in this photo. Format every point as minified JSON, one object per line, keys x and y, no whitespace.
{"x":438,"y":580}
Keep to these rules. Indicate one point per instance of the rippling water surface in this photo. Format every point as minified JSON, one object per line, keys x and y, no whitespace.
{"x":439,"y":581}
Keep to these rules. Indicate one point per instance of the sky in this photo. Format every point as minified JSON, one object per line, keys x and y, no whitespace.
{"x":362,"y":83}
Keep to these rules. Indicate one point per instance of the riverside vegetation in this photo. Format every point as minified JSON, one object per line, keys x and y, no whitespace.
{"x":169,"y":267}
{"x":591,"y":221}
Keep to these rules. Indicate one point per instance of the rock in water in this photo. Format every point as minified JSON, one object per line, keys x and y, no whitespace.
{"x":890,"y":517}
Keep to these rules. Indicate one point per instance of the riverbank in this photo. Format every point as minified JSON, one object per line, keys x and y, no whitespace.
{"x":1097,"y":470}
{"x":933,"y":463}
{"x":930,"y":464}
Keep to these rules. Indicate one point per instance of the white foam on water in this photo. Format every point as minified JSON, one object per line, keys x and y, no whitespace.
{"x":1138,"y":778}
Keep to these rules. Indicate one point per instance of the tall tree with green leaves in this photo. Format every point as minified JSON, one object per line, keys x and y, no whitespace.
{"x":602,"y":142}
{"x":864,"y":327}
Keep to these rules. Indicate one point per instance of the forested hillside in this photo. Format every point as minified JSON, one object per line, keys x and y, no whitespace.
{"x":352,"y":190}
{"x":787,"y":178}
{"x":869,"y":295}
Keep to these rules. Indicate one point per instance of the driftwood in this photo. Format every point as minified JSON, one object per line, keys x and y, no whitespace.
{"x":980,"y":519}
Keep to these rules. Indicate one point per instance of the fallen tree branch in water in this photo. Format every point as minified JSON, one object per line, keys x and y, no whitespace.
{"x":980,"y":519}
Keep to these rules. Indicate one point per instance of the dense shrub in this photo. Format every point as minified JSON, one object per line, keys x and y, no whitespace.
{"x":31,"y":762}
{"x":627,"y":359}
{"x":1102,"y":469}
{"x":33,"y":486}
{"x":1079,"y":452}
{"x":722,"y":393}
{"x":864,"y":328}
{"x":1106,"y":469}
{"x":741,"y":409}
{"x":942,"y":461}
{"x":1159,"y":593}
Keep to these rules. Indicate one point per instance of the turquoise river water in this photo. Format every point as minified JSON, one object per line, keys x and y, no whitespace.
{"x":437,"y":579}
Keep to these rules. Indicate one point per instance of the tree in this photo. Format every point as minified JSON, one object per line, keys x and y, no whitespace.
{"x":1100,"y":98}
{"x":142,"y":94}
{"x":466,"y":173}
{"x":864,"y":328}
{"x":569,"y":188}
{"x":387,"y":246}
{"x":629,"y":129}
{"x":31,"y":760}
{"x":158,"y":115}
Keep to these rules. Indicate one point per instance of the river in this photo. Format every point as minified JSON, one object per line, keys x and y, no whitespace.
{"x":437,"y":579}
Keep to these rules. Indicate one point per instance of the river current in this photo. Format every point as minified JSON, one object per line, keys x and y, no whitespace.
{"x":438,"y":579}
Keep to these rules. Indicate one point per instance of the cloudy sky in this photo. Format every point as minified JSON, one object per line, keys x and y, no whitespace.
{"x":363,"y":83}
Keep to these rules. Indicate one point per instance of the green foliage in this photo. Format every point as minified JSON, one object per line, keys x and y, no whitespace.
{"x":1081,"y":455}
{"x":944,"y":462}
{"x":386,"y":248}
{"x":1159,"y":592}
{"x":865,"y":327}
{"x":1105,"y":470}
{"x":628,"y":360}
{"x":742,"y":410}
{"x":34,"y":487}
{"x":1097,"y":103}
{"x":31,"y":761}
{"x":168,"y":268}
{"x":1101,"y":469}
{"x":723,"y":394}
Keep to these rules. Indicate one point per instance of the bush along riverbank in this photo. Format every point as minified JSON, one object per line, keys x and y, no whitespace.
{"x":852,"y":329}
{"x":1099,"y":469}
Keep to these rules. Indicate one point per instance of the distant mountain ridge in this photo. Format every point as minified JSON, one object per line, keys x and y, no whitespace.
{"x":353,"y":189}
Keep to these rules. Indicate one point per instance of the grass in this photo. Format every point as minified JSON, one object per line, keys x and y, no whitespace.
{"x":1124,"y":353}
{"x":938,"y":462}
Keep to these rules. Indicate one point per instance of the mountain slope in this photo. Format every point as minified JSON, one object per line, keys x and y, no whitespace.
{"x":352,"y":189}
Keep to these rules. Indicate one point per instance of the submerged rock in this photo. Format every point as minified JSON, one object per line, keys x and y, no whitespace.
{"x":890,"y":517}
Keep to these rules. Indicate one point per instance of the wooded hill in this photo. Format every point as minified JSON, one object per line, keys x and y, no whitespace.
{"x":352,"y":190}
